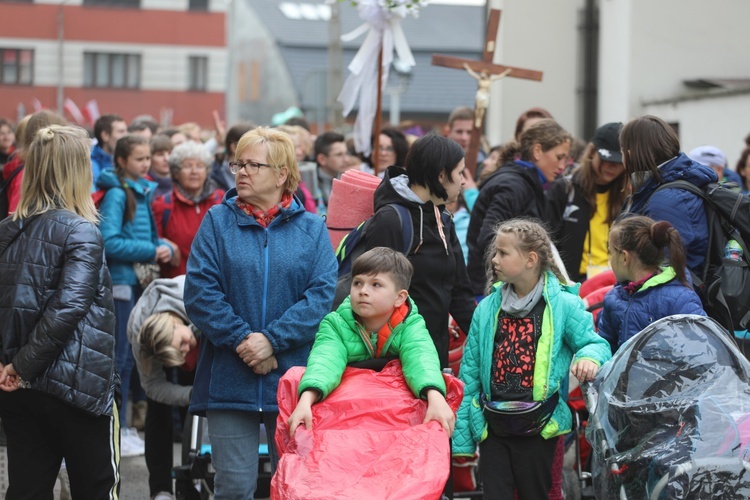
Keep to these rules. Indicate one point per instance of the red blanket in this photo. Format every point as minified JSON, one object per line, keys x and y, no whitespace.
{"x":368,"y":440}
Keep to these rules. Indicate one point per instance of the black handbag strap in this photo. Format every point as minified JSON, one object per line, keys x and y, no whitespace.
{"x":26,"y":224}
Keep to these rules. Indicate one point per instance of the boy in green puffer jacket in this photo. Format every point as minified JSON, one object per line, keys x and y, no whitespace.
{"x":377,"y":320}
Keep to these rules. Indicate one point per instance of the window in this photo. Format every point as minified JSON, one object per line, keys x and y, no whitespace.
{"x":198,"y":73}
{"x":198,"y":5}
{"x":117,"y":71}
{"x":113,"y":3}
{"x":16,"y":66}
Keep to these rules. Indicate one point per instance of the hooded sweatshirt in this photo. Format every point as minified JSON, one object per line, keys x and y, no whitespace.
{"x":162,"y":295}
{"x":440,"y":284}
{"x":682,"y":209}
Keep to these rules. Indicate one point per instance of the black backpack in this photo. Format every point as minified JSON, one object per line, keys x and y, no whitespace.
{"x":352,"y":246}
{"x":724,"y":284}
{"x":4,"y":202}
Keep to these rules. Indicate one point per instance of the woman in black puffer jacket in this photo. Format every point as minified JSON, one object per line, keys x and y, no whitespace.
{"x":57,"y":342}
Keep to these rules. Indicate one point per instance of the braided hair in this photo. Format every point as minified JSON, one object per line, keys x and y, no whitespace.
{"x":531,"y":236}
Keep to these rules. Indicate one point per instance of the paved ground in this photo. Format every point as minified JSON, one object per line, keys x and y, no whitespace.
{"x":134,"y":476}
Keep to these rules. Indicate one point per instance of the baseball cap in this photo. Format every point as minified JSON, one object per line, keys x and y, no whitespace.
{"x":708,"y":155}
{"x":607,"y":142}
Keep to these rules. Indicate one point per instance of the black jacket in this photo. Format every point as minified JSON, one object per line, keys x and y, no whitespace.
{"x":569,"y":215}
{"x":57,"y":311}
{"x":512,"y":191}
{"x":440,"y":284}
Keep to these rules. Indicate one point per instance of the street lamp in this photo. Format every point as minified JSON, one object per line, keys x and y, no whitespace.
{"x":60,"y":38}
{"x":396,"y":87}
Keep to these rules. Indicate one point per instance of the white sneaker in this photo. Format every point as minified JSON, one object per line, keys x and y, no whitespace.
{"x":163,"y":495}
{"x":133,"y":433}
{"x":131,"y":444}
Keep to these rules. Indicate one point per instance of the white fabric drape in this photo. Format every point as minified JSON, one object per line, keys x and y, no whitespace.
{"x":383,"y":27}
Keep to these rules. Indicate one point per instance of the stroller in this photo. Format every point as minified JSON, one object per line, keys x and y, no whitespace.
{"x":670,"y":415}
{"x":194,"y":479}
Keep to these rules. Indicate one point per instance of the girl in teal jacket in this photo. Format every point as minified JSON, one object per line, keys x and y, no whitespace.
{"x":129,"y":232}
{"x":523,"y":337}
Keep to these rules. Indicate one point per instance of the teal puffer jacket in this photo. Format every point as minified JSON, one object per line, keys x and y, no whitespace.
{"x":567,"y":335}
{"x":126,"y":241}
{"x":339,"y":342}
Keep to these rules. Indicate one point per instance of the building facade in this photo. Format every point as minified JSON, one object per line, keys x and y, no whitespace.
{"x":165,"y":58}
{"x":280,"y":56}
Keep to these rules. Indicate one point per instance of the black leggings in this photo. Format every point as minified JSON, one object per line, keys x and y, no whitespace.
{"x":523,"y":463}
{"x":159,"y":433}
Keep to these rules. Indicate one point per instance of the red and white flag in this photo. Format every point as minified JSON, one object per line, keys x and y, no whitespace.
{"x":72,"y":108}
{"x":36,"y":104}
{"x":91,"y":110}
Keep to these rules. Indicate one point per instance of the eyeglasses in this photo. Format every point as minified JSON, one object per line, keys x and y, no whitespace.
{"x":195,"y":167}
{"x":386,"y":149}
{"x":251,"y":167}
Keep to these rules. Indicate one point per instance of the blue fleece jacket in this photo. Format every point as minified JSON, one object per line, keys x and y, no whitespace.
{"x":624,"y":315}
{"x":125,"y":241}
{"x":682,"y":209}
{"x":243,"y":278}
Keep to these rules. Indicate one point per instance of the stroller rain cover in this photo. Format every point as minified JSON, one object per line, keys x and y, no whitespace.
{"x":670,"y":415}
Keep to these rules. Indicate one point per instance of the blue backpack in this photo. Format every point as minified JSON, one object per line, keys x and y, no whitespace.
{"x":352,"y":246}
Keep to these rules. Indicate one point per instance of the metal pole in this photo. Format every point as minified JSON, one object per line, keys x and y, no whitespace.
{"x":395,"y":110}
{"x":60,"y":38}
{"x":378,"y":112}
{"x":335,"y":68}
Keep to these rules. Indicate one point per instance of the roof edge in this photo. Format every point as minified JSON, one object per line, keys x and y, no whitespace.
{"x":697,"y":96}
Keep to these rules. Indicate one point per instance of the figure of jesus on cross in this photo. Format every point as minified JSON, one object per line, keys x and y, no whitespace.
{"x":485,"y":72}
{"x":483,"y":92}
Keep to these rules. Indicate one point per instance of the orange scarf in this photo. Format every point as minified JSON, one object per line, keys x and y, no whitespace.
{"x":265,"y":218}
{"x":399,"y":314}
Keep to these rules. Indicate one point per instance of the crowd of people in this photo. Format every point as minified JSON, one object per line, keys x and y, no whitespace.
{"x":149,"y":268}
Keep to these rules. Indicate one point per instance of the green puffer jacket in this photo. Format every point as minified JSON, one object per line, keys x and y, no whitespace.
{"x":338,"y":343}
{"x":567,"y":329}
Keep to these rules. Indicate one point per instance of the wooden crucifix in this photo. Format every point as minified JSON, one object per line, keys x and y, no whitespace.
{"x":485,"y":72}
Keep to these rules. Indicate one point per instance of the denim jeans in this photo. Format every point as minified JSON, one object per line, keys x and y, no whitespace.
{"x":234,"y":450}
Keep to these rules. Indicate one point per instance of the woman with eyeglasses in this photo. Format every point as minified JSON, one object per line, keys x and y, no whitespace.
{"x":392,"y":147}
{"x":260,"y":278}
{"x":178,"y":214}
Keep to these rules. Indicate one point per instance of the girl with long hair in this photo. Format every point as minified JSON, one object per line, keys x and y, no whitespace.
{"x":582,"y":206}
{"x":516,"y":189}
{"x":130,"y":238}
{"x":57,"y":343}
